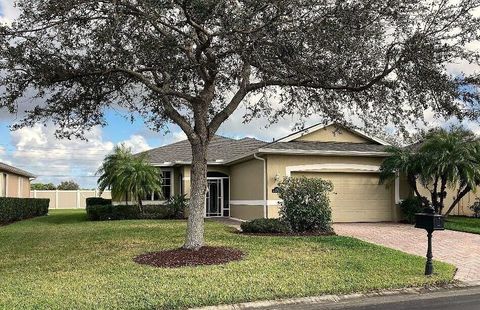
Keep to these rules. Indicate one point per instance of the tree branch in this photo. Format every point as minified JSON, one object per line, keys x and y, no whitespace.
{"x":234,"y":102}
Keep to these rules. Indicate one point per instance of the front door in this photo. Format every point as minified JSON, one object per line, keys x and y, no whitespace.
{"x":214,"y":201}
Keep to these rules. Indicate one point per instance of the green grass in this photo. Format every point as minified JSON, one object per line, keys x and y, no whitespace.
{"x":64,"y":262}
{"x":465,"y":224}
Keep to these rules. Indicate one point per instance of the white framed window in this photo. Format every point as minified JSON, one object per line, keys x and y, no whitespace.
{"x":167,"y":186}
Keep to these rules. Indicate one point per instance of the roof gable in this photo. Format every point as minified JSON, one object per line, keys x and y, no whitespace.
{"x":332,"y":133}
{"x":14,"y":170}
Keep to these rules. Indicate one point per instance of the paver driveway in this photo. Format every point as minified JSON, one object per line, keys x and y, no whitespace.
{"x":458,"y":248}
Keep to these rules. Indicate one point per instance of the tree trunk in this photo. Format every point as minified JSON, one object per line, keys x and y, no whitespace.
{"x":459,"y":197}
{"x":140,"y":204}
{"x":196,"y":207}
{"x":412,"y":180}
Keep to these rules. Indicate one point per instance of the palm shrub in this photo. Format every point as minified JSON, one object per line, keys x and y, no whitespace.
{"x":445,"y":159}
{"x":128,"y":176}
{"x":305,"y":204}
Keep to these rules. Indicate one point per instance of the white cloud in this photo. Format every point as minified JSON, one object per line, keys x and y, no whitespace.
{"x":37,"y":150}
{"x":9,"y":11}
{"x":137,"y":143}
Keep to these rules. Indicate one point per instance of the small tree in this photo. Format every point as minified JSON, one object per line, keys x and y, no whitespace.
{"x":68,"y":186}
{"x":305,"y":204}
{"x":43,"y":186}
{"x":128,"y":176}
{"x":445,"y":159}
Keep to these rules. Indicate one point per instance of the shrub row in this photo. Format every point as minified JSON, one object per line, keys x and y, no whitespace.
{"x":105,"y":211}
{"x":265,"y":226}
{"x":16,"y":209}
{"x":97,"y":201}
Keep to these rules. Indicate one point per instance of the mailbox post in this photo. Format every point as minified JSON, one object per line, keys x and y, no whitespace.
{"x":430,"y":221}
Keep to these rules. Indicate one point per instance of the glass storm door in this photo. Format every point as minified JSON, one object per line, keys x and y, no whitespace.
{"x":214,"y":199}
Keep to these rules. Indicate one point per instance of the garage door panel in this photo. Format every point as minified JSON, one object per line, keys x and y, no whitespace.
{"x":357,"y":197}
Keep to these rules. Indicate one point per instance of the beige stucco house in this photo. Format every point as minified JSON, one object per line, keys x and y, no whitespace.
{"x":14,"y":182}
{"x":242,"y":174}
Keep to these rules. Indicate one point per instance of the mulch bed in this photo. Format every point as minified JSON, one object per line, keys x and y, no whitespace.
{"x":206,"y":255}
{"x":290,"y":234}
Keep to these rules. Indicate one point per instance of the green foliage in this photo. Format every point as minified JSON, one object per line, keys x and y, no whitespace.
{"x":85,"y":265}
{"x":176,"y":206}
{"x":99,"y":201}
{"x":445,"y":159}
{"x":475,"y":207}
{"x":128,"y":176}
{"x":409,"y":207}
{"x":68,"y":186}
{"x":16,"y":209}
{"x":262,"y":225}
{"x":43,"y":186}
{"x":109,"y":212}
{"x":305,"y":204}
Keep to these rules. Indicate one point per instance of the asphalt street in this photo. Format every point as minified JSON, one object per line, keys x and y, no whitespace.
{"x":456,"y":299}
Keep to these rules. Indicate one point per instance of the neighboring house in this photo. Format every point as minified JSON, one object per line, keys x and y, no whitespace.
{"x":242,"y":174}
{"x":14,"y":182}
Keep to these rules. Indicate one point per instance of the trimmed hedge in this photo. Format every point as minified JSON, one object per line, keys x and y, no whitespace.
{"x":265,"y":226}
{"x":127,"y":212}
{"x":16,"y":209}
{"x":98,"y":201}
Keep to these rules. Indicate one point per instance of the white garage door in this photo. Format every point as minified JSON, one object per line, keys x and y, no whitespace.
{"x":357,"y":197}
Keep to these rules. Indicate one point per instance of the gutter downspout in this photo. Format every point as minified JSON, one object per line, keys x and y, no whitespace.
{"x":265,"y":206}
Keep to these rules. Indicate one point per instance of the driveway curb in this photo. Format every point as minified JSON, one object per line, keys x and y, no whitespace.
{"x":329,"y":299}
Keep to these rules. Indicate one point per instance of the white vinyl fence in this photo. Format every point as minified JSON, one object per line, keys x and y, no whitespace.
{"x":69,"y":199}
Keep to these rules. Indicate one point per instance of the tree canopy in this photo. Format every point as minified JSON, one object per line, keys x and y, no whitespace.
{"x":381,"y":61}
{"x":68,"y":185}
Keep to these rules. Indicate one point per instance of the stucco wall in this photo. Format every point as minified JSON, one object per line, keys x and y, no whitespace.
{"x":246,"y":212}
{"x":17,"y":186}
{"x":333,"y":133}
{"x":246,"y":180}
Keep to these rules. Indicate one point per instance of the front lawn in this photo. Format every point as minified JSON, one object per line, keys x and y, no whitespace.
{"x":465,"y":224}
{"x":64,"y":262}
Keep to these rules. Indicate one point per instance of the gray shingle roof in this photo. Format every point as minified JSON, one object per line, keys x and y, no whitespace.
{"x":223,"y":150}
{"x":220,"y":149}
{"x":7,"y":168}
{"x":327,"y":146}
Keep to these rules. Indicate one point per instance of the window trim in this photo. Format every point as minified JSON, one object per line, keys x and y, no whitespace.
{"x":172,"y":188}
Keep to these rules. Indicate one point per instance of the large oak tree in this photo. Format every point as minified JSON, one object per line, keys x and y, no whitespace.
{"x":193,"y":62}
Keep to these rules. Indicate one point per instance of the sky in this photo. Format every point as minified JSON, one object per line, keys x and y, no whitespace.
{"x":36,"y":149}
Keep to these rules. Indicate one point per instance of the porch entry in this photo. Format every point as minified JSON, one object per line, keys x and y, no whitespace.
{"x":217,"y":202}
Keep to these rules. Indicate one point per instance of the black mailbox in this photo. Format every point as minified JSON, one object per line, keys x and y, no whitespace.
{"x":429,"y":221}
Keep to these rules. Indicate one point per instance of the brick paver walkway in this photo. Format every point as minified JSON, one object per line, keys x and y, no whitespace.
{"x":458,"y":248}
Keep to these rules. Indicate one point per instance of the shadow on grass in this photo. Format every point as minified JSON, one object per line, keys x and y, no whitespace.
{"x":58,"y":217}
